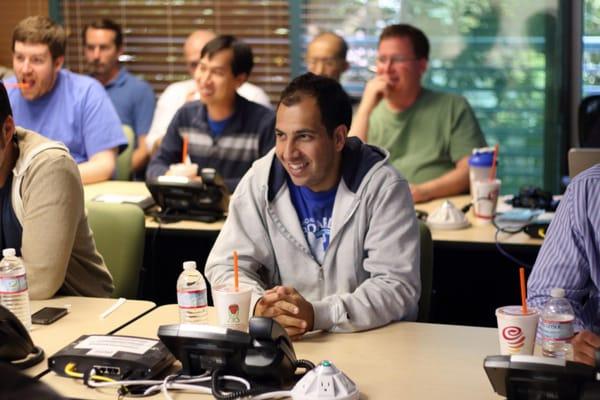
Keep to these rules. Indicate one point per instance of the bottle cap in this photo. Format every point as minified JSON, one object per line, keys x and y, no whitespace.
{"x":557,"y":292}
{"x":189,"y":265}
{"x":483,"y":157}
{"x":8,"y":252}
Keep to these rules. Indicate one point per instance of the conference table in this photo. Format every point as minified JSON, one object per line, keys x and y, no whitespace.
{"x":405,"y":360}
{"x":84,"y":317}
{"x":476,"y":233}
{"x":468,"y":263}
{"x":126,"y":191}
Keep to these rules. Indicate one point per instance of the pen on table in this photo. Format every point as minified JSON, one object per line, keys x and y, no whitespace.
{"x":113,"y":307}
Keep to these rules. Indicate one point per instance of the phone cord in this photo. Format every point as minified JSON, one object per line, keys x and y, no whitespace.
{"x":216,"y":392}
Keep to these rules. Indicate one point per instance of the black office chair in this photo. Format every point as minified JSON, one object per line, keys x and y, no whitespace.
{"x":589,"y":121}
{"x":426,"y":272}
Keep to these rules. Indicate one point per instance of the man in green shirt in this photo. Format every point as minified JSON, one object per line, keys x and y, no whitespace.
{"x":429,"y":134}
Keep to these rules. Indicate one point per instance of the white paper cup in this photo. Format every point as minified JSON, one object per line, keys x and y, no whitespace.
{"x":187,"y":170}
{"x":485,"y":199}
{"x":516,"y":331}
{"x":233,"y":307}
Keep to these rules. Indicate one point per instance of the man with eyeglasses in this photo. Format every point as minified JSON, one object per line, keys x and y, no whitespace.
{"x":429,"y":134}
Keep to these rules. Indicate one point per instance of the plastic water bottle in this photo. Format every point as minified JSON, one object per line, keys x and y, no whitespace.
{"x":14,"y":294}
{"x":191,"y":295}
{"x":557,"y":325}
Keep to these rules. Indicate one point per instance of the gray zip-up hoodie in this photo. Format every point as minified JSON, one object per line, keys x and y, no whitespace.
{"x":370,"y":273}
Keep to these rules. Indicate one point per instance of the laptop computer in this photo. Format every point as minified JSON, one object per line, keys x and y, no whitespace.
{"x":581,"y":159}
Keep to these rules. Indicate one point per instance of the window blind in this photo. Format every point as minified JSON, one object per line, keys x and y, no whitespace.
{"x":154,"y":33}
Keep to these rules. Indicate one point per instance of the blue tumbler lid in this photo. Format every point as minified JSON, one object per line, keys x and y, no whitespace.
{"x":483,"y":157}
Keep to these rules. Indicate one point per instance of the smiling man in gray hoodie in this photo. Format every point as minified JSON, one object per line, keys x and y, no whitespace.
{"x":324,"y":225}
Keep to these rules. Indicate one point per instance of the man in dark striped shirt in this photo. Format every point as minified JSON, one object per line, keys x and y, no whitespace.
{"x":224,"y":131}
{"x":570,"y":259}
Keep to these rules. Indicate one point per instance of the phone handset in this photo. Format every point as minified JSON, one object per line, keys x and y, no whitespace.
{"x":272,"y":354}
{"x":16,"y":345}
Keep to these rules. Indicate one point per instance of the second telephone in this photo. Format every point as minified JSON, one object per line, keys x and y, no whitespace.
{"x":265,"y":353}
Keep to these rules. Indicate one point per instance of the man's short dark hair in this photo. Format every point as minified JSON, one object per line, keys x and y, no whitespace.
{"x":416,"y":36}
{"x":332,"y":100}
{"x":5,"y":109}
{"x":41,"y":30}
{"x":107,"y":24}
{"x":243,"y":60}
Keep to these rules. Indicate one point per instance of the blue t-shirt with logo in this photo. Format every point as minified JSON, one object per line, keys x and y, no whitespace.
{"x":314,"y":210}
{"x":217,"y":127}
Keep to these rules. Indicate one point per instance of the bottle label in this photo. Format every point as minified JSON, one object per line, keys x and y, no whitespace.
{"x":557,"y":328}
{"x":13,"y":284}
{"x":191,"y":299}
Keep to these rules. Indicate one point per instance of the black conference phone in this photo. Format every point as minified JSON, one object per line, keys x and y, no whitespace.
{"x":181,"y":198}
{"x":265,"y":354}
{"x":531,"y":377}
{"x":16,"y":346}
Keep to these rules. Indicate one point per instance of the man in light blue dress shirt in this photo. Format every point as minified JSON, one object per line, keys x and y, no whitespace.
{"x":570,"y":259}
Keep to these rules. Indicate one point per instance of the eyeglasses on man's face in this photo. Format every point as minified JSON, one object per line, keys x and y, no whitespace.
{"x":328,"y":61}
{"x":397,"y":59}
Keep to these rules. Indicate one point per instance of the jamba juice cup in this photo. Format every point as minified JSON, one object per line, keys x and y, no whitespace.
{"x":516,"y":331}
{"x":233,"y":307}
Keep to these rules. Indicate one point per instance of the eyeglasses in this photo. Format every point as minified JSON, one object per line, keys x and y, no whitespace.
{"x":329,"y":61}
{"x":395,"y":59}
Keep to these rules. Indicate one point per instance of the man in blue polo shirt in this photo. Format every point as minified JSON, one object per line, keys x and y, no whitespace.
{"x":225,"y":131}
{"x":132,"y":97}
{"x":63,"y":106}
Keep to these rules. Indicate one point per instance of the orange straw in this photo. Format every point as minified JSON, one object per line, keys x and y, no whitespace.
{"x":523,"y":290}
{"x":184,"y":153}
{"x":10,"y":85}
{"x":493,"y":170}
{"x":236,"y":271}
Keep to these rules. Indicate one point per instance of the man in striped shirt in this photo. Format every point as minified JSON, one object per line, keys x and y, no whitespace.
{"x":570,"y":259}
{"x":224,"y":130}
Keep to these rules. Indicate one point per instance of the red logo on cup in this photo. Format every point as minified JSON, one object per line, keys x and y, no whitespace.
{"x":514,"y":337}
{"x":233,"y":308}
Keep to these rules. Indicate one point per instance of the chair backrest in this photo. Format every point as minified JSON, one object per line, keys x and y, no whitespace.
{"x":589,"y":121}
{"x":581,"y":159}
{"x":426,"y":272}
{"x":119,"y":231}
{"x":123,"y":172}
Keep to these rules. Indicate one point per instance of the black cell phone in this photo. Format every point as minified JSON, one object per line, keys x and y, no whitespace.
{"x":48,"y":315}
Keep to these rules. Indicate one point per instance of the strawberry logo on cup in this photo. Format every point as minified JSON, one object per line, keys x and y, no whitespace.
{"x":233,"y":315}
{"x":514,"y":337}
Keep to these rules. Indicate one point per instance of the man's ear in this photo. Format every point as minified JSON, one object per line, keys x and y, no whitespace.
{"x":8,"y":129}
{"x":346,"y":66}
{"x":240,"y":79}
{"x":58,"y":62}
{"x":422,"y":63}
{"x":340,"y":133}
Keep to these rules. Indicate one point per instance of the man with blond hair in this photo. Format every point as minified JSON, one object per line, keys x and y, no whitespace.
{"x":59,"y":104}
